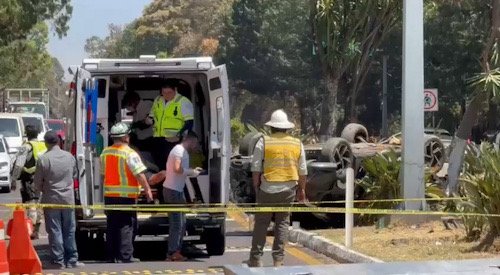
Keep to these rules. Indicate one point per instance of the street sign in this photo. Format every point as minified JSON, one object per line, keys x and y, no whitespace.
{"x":431,"y":102}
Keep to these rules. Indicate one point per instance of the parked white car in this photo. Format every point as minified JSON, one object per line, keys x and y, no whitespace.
{"x":5,"y":166}
{"x":12,"y":129}
{"x":36,"y":120}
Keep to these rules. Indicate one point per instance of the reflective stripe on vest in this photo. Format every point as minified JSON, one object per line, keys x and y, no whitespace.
{"x":281,"y":158}
{"x":38,"y":149}
{"x":168,"y":120}
{"x":119,"y":181}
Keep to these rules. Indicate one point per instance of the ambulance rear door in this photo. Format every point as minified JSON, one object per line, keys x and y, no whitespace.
{"x":220,"y":135}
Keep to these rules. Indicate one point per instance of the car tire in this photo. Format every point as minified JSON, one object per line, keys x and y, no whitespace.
{"x":247,"y":143}
{"x":215,"y":240}
{"x":5,"y":189}
{"x":354,"y":133}
{"x":434,"y":152}
{"x":338,"y":151}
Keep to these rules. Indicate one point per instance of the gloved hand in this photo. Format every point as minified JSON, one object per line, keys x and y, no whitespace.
{"x":193,"y":173}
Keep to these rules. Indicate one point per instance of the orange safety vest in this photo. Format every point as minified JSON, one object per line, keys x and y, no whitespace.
{"x":281,"y":158}
{"x":119,"y":181}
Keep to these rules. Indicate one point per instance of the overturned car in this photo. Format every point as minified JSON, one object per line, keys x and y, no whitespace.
{"x":326,"y":164}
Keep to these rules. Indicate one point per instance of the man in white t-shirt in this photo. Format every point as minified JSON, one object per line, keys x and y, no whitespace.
{"x":177,"y":170}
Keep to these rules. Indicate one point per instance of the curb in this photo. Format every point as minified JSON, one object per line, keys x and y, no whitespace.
{"x":328,"y":248}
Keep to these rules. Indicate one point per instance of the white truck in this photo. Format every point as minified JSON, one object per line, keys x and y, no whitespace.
{"x":27,"y":100}
{"x":95,"y":96}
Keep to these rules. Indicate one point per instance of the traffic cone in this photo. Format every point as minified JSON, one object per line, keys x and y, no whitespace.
{"x":21,"y":254}
{"x":4,"y":264}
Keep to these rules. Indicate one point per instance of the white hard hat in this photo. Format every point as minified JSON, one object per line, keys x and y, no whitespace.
{"x":120,"y":129}
{"x":279,"y":120}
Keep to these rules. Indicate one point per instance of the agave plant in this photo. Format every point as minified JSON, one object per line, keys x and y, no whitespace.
{"x":382,"y":181}
{"x":480,"y":184}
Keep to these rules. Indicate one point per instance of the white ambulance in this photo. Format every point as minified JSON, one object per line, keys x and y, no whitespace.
{"x":95,"y":98}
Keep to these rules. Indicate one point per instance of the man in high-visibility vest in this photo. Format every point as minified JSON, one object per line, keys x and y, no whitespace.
{"x":279,"y":173}
{"x":122,"y":173}
{"x":171,"y":115}
{"x":24,"y":170}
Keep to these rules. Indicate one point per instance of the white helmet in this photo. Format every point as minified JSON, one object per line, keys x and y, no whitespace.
{"x":279,"y":120}
{"x":120,"y":129}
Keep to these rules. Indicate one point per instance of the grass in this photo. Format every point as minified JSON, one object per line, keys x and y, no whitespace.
{"x":398,"y":242}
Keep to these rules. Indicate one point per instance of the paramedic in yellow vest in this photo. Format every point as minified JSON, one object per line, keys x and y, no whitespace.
{"x":279,"y":173}
{"x":24,"y":170}
{"x":171,"y":115}
{"x":122,"y":174}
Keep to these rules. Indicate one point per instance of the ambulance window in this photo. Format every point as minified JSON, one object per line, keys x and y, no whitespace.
{"x":101,"y":88}
{"x":214,"y":83}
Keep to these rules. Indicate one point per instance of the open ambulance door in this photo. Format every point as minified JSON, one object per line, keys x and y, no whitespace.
{"x":220,"y":136}
{"x":85,"y":126}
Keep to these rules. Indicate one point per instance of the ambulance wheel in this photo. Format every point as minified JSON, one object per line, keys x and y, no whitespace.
{"x":215,"y":240}
{"x":82,"y":239}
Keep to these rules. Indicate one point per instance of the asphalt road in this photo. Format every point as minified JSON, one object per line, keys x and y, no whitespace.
{"x":152,"y":252}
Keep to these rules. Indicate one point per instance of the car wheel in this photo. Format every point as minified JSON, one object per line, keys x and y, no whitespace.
{"x":338,"y":151}
{"x":215,"y":240}
{"x":247,"y":143}
{"x":5,"y":189}
{"x":355,"y":133}
{"x":434,"y":151}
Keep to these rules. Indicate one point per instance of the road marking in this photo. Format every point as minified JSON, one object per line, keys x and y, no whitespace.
{"x":239,"y":218}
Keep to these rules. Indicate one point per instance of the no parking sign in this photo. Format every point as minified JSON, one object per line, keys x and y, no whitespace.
{"x":431,"y":103}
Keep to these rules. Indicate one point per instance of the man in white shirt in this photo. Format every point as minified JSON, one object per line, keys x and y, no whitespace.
{"x":177,"y":170}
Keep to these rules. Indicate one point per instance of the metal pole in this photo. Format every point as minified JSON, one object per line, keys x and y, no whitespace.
{"x":385,"y":128}
{"x":413,"y":103}
{"x":349,"y":197}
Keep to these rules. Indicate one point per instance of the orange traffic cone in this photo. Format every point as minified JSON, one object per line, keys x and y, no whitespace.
{"x":21,"y":254}
{"x":4,"y":264}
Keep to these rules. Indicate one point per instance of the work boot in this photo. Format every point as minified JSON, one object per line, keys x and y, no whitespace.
{"x":176,"y":257}
{"x":278,"y":263}
{"x":36,"y":229}
{"x":254,"y":263}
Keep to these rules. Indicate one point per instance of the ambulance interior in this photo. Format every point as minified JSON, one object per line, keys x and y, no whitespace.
{"x":194,"y":86}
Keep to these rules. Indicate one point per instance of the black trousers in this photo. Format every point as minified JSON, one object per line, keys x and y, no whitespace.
{"x":161,"y":150}
{"x":121,"y":228}
{"x":160,"y":155}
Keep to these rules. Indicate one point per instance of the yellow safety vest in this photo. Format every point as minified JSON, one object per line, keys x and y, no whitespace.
{"x":168,"y":120}
{"x":119,"y":180}
{"x":281,"y":158}
{"x":38,"y":148}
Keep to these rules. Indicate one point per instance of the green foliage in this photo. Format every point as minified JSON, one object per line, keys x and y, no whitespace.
{"x":19,"y":17}
{"x":382,"y":182}
{"x":238,"y":130}
{"x":166,"y":28}
{"x":480,"y":183}
{"x":26,"y":63}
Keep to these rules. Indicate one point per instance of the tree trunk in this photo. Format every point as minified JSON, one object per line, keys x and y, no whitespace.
{"x":459,"y":142}
{"x":329,"y":115}
{"x":493,"y":122}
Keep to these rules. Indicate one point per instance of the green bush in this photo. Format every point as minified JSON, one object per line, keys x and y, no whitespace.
{"x":480,"y":184}
{"x":238,"y":130}
{"x":382,"y":182}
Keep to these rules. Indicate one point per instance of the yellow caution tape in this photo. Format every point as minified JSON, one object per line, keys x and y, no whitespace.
{"x":187,"y":208}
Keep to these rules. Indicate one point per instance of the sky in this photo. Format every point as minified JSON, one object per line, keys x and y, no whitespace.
{"x":92,"y":17}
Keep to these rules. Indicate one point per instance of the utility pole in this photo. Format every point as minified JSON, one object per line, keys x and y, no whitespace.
{"x":385,"y":128}
{"x":413,"y":103}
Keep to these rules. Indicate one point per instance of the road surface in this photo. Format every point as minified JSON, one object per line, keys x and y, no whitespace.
{"x":151,"y":253}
